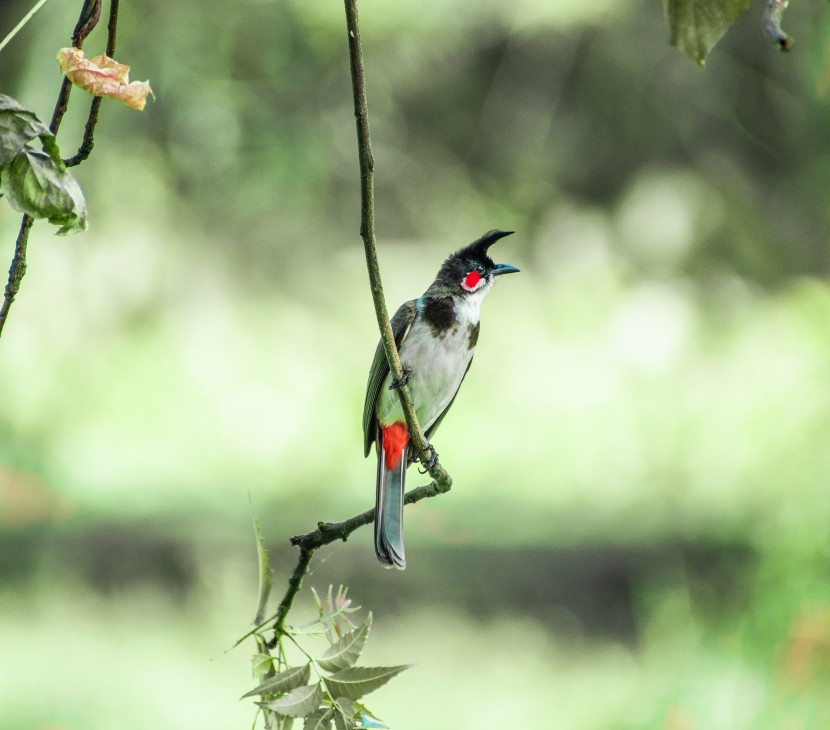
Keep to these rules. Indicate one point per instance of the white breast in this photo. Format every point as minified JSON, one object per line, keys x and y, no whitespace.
{"x":438,"y":365}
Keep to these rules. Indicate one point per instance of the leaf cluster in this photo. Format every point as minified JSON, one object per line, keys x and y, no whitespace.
{"x":333,"y":699}
{"x":36,"y":182}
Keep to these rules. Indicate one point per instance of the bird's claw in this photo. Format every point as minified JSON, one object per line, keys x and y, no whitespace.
{"x":432,"y":461}
{"x":403,"y":380}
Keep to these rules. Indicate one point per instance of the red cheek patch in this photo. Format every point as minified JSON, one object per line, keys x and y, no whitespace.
{"x":471,"y":280}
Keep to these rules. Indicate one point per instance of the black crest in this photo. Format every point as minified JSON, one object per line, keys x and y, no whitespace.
{"x":477,"y":250}
{"x":453,"y":270}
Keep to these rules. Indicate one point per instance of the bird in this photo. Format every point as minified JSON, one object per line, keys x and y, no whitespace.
{"x":436,"y":336}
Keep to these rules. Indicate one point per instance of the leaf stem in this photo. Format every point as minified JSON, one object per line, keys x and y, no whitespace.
{"x":26,"y":18}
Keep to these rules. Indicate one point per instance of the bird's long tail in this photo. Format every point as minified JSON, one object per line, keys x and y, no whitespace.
{"x":391,"y":481}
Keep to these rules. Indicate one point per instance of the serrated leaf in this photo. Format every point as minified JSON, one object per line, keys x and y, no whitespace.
{"x":285,"y":681}
{"x":367,"y":719}
{"x":696,"y":25}
{"x":266,"y":575}
{"x":18,"y":127}
{"x":319,"y":719}
{"x":37,"y":185}
{"x":355,"y":682}
{"x":262,"y":664}
{"x":298,"y":702}
{"x":345,"y":706}
{"x":346,"y":650}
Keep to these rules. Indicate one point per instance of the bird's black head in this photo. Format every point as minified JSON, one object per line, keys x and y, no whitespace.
{"x":471,"y":269}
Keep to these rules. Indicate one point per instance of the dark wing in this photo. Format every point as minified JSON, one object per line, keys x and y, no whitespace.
{"x":431,"y":430}
{"x":401,"y":323}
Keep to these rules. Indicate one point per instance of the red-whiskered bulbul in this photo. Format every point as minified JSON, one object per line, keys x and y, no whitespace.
{"x":436,"y":336}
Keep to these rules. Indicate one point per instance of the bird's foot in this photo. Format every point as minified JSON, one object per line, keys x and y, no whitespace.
{"x":432,"y":461}
{"x":403,"y":380}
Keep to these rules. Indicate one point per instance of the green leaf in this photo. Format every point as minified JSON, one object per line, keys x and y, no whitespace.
{"x":367,"y":719}
{"x":298,"y":702}
{"x":283,"y":682}
{"x":355,"y":682}
{"x":37,"y":185}
{"x":319,"y":719}
{"x":341,"y":723}
{"x":262,"y":664}
{"x":346,"y":650}
{"x":696,"y":25}
{"x":345,"y":706}
{"x":266,"y":575}
{"x":19,"y":126}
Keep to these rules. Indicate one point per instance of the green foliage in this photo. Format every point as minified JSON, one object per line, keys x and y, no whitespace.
{"x":319,"y":719}
{"x":37,"y":183}
{"x":299,"y":702}
{"x":355,"y":682}
{"x":18,"y":126}
{"x":285,"y":691}
{"x":283,"y":682}
{"x":261,"y":665}
{"x":332,"y":698}
{"x":346,"y":651}
{"x":696,"y":25}
{"x":266,"y":575}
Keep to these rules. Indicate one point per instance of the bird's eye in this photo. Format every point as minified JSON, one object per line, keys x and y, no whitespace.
{"x":479,"y":269}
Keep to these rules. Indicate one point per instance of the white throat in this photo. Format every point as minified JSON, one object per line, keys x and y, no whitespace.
{"x":468,"y":308}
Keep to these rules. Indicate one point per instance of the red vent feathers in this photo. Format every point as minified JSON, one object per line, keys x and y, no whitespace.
{"x":395,"y":437}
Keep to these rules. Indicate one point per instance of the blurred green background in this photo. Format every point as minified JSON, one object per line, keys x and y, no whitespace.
{"x":638,"y":532}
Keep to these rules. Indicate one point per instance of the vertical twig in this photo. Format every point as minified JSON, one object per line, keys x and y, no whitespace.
{"x":329,"y":532}
{"x":89,"y":130}
{"x":87,"y":20}
{"x":16,"y":270}
{"x":367,"y":233}
{"x":25,"y":19}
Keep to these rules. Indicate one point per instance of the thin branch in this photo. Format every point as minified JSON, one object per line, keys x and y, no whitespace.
{"x":87,"y":20}
{"x":327,"y":532}
{"x":16,"y":270}
{"x":90,"y":15}
{"x":294,"y":583}
{"x":367,"y":233}
{"x":26,"y":18}
{"x":89,"y":130}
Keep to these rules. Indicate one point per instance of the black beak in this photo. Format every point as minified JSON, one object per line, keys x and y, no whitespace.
{"x":504,"y":269}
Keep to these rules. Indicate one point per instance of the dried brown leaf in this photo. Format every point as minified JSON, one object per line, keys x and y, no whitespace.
{"x":103,"y":76}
